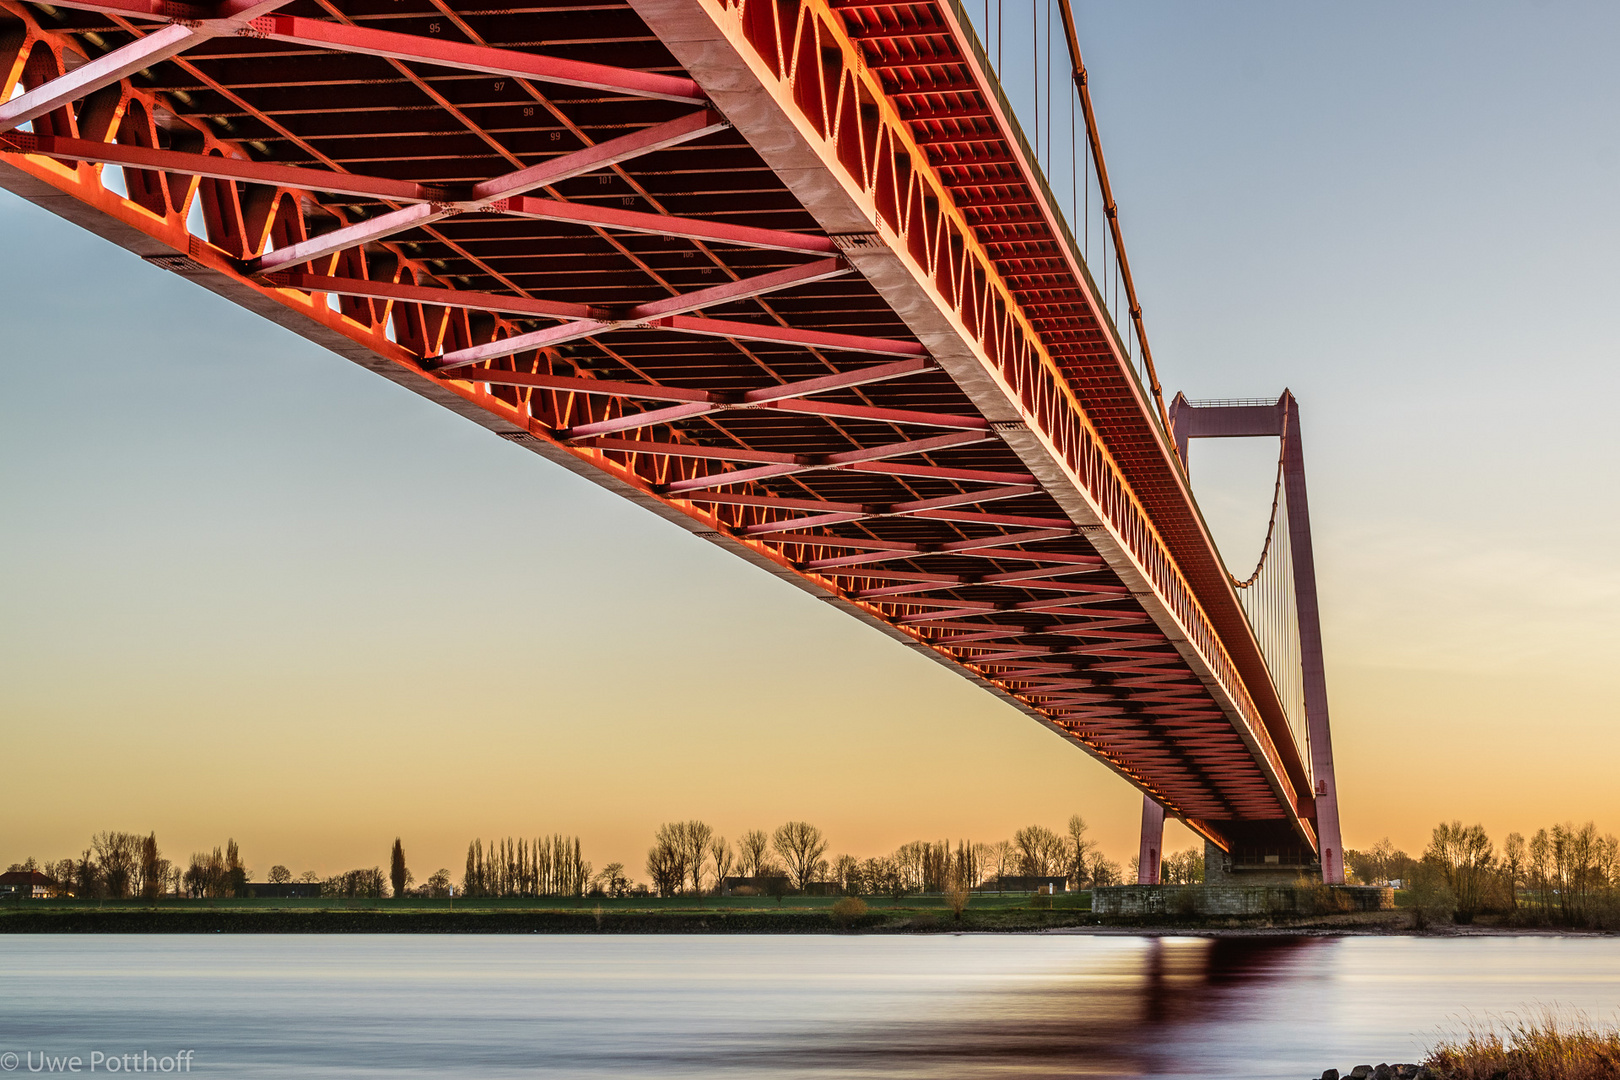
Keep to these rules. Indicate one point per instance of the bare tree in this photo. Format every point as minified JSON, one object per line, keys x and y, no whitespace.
{"x":1515,"y":862}
{"x":87,"y":877}
{"x":236,"y":873}
{"x":1001,"y":860}
{"x":1184,"y":867}
{"x":1041,"y":852}
{"x":612,"y":881}
{"x":666,"y":859}
{"x":801,"y":846}
{"x":153,"y":871}
{"x":694,"y":838}
{"x":279,"y":875}
{"x":1464,"y":855}
{"x":720,"y":854}
{"x":118,"y":857}
{"x":751,"y":851}
{"x":1541,"y":870}
{"x":1078,"y":852}
{"x":207,"y":875}
{"x":909,"y":864}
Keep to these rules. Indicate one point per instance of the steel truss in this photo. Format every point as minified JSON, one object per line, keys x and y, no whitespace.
{"x":783,"y":273}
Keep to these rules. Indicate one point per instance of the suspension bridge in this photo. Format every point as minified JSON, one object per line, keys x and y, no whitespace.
{"x":838,"y":285}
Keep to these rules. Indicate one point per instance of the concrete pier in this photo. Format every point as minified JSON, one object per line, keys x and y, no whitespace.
{"x":1134,"y":901}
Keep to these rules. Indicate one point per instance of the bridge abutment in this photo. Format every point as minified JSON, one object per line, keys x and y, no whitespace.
{"x":1238,"y":901}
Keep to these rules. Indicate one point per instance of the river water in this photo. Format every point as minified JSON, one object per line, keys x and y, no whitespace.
{"x":938,"y":1006}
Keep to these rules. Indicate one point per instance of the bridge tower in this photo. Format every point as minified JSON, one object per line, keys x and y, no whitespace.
{"x":1294,"y":648}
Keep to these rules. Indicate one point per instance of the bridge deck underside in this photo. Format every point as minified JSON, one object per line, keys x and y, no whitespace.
{"x":882,"y":485}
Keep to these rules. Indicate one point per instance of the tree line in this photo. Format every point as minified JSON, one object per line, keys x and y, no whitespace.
{"x":128,"y":866}
{"x":548,"y":866}
{"x":125,"y":866}
{"x":686,"y":858}
{"x":1565,"y":875}
{"x":689,"y":857}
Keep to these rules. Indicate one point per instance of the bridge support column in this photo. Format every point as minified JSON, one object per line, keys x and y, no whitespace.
{"x":1326,"y":792}
{"x":1151,"y":856}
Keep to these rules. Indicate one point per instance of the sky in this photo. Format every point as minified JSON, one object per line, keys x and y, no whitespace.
{"x":252,"y":591}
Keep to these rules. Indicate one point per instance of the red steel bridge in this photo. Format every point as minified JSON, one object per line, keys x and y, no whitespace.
{"x":790,"y":273}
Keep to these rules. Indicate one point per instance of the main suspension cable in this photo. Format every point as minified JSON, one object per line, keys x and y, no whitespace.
{"x":1109,"y":209}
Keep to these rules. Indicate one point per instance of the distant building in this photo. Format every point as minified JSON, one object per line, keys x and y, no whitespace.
{"x":27,"y":884}
{"x":770,"y":885}
{"x":1026,"y":884}
{"x":284,"y":890}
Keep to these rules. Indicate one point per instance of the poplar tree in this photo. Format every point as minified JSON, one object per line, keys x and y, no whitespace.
{"x":398,"y":876}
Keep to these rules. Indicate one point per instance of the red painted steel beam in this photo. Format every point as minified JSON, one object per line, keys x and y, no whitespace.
{"x":893,"y":416}
{"x":815,"y":521}
{"x":390,"y":45}
{"x":576,"y":385}
{"x":938,"y":472}
{"x":238,"y":11}
{"x":633,"y":422}
{"x":694,"y":125}
{"x":899,"y":417}
{"x":703,"y":402}
{"x":813,"y":339}
{"x":923,"y":583}
{"x":539,"y":339}
{"x":251,"y":20}
{"x":741,"y":289}
{"x":163,"y":10}
{"x":865,"y":511}
{"x":990,"y":546}
{"x":102,"y":71}
{"x":870,"y":461}
{"x":126,"y":60}
{"x":840,"y":380}
{"x":780,"y":502}
{"x":216,"y":167}
{"x":913,"y":446}
{"x":635,"y":221}
{"x":361,"y":232}
{"x":425,"y":294}
{"x":731,"y":291}
{"x":522,"y":305}
{"x":687,"y":450}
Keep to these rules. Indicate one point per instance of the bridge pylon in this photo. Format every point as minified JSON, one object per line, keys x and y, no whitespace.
{"x":1289,"y":634}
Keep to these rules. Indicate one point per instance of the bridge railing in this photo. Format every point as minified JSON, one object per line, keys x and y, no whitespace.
{"x":1029,"y":49}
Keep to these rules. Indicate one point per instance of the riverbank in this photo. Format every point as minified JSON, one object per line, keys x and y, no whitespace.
{"x":385,"y":920}
{"x":796,"y":915}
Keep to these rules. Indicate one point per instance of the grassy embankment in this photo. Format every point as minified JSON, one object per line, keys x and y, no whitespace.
{"x":1013,"y":912}
{"x":710,"y":915}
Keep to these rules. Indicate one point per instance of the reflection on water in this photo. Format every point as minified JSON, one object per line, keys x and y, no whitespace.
{"x":779,"y":1007}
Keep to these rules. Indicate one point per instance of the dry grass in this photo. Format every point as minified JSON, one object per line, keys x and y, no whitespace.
{"x":1550,"y":1045}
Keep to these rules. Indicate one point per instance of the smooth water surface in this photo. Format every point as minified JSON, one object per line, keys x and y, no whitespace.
{"x":774,"y":1007}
